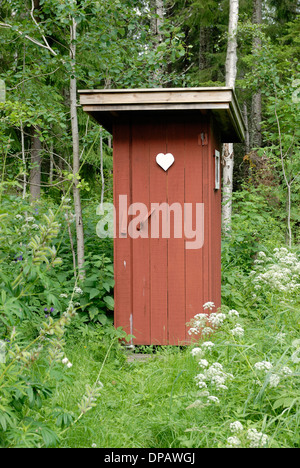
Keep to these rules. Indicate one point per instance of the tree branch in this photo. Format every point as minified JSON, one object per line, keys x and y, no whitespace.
{"x":31,"y":39}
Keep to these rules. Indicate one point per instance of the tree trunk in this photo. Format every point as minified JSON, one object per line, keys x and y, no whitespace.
{"x":35,"y":170}
{"x":76,"y":156}
{"x":247,"y":136}
{"x":157,"y":22}
{"x":23,"y":161}
{"x":256,"y":99}
{"x":228,"y":154}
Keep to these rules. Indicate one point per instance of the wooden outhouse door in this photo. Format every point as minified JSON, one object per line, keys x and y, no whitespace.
{"x":163,"y":279}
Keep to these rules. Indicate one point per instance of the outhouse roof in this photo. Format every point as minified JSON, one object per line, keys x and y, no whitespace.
{"x":109,"y":106}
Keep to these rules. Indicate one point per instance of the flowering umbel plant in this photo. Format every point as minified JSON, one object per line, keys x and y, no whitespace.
{"x":246,"y":438}
{"x":213,"y":377}
{"x":279,"y":271}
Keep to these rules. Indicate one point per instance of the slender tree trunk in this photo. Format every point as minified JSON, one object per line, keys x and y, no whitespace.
{"x":23,"y":161}
{"x":231,"y":58}
{"x":35,"y":170}
{"x":228,"y":154}
{"x":247,"y":136}
{"x":256,"y":99}
{"x":203,"y":41}
{"x":51,"y":167}
{"x":76,"y":155}
{"x":156,"y":28}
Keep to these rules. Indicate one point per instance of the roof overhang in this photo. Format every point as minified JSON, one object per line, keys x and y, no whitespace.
{"x":109,"y":106}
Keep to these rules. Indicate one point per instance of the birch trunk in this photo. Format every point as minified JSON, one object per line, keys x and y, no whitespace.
{"x":256,"y":99}
{"x":76,"y":155}
{"x":228,"y":154}
{"x":156,"y":29}
{"x":35,"y":171}
{"x":23,"y":161}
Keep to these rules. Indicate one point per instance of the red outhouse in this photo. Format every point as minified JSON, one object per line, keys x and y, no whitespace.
{"x":167,"y":202}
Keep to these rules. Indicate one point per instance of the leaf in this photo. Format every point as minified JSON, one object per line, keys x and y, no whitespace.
{"x":93,"y":312}
{"x":285,"y":402}
{"x":94,"y":293}
{"x":50,"y":438}
{"x":109,"y":302}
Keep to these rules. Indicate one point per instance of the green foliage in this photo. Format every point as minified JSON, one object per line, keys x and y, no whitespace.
{"x":255,"y":226}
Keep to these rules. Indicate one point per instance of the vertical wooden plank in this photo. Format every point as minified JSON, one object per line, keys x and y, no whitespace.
{"x":140,"y":245}
{"x":158,"y":253}
{"x":215,"y":144}
{"x":176,"y":246}
{"x":207,"y":218}
{"x":122,"y":244}
{"x":193,"y":194}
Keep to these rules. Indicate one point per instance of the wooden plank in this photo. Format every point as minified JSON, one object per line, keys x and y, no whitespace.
{"x":176,"y":246}
{"x":157,"y":97}
{"x":194,"y":277}
{"x":141,"y":245}
{"x":155,"y":106}
{"x":153,"y":90}
{"x":216,"y":226}
{"x":207,"y":187}
{"x":158,"y":246}
{"x":122,"y":244}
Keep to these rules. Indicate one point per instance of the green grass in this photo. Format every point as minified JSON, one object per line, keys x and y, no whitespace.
{"x":142,"y":403}
{"x":145,"y":404}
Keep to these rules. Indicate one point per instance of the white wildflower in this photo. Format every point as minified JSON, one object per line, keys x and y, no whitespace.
{"x":208,"y":305}
{"x":203,"y":363}
{"x":78,"y":290}
{"x":200,"y":320}
{"x":263,"y":366}
{"x":257,"y":439}
{"x":63,"y":295}
{"x":274,"y":380}
{"x":200,"y":381}
{"x":262,"y":254}
{"x":197,"y":352}
{"x":286,"y":370}
{"x":236,"y":426}
{"x":67,"y":362}
{"x":237,"y":331}
{"x":213,"y":399}
{"x":216,"y":320}
{"x":233,"y":442}
{"x":233,"y":313}
{"x":208,"y":345}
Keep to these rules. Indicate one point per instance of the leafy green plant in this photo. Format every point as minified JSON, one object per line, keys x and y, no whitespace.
{"x":97,"y":288}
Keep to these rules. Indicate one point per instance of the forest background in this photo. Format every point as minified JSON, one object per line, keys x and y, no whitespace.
{"x":56,"y":168}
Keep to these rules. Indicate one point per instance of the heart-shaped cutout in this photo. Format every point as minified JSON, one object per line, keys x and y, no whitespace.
{"x":165,"y":161}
